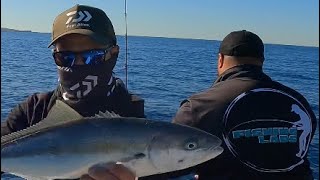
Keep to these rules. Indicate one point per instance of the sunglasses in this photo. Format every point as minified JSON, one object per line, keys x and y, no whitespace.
{"x":90,"y":57}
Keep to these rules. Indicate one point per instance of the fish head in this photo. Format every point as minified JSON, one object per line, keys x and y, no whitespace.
{"x":183,"y":147}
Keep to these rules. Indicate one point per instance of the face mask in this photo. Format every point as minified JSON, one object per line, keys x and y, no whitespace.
{"x":85,"y":84}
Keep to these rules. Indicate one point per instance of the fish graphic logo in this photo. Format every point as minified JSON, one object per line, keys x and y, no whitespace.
{"x":304,"y":125}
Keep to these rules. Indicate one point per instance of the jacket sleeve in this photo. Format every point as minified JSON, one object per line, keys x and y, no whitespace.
{"x":185,"y":115}
{"x":16,"y":120}
{"x":28,"y":112}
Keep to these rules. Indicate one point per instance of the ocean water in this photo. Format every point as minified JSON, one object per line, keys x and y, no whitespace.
{"x":163,"y":71}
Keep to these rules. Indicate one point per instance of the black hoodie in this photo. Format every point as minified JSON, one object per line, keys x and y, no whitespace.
{"x":265,"y":127}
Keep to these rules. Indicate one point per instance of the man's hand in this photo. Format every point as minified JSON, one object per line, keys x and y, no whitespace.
{"x":109,"y":171}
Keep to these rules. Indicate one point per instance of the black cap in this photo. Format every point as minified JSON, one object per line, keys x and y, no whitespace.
{"x":243,"y":44}
{"x":86,"y":20}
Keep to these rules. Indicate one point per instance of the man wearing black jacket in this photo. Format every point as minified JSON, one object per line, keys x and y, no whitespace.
{"x":266,"y":127}
{"x":85,"y":51}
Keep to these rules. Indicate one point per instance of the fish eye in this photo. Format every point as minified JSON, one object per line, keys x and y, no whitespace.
{"x":191,"y":145}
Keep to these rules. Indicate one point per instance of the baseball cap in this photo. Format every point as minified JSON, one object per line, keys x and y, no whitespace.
{"x":86,"y":20}
{"x":242,"y":43}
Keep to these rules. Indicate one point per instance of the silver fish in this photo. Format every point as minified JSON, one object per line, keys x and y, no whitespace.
{"x":65,"y":145}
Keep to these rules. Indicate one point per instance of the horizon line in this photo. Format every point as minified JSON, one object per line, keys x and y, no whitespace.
{"x":314,"y":46}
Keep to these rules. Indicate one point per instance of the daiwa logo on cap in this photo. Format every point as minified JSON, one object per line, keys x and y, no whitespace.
{"x":77,"y":17}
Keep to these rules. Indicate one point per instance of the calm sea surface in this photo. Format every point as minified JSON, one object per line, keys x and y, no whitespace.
{"x":163,"y":71}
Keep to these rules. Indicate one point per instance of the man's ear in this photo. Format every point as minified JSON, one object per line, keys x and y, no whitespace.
{"x":220,"y":60}
{"x":115,"y":50}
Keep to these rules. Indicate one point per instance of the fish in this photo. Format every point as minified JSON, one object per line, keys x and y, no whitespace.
{"x":65,"y":145}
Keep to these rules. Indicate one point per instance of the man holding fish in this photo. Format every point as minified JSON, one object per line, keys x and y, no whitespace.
{"x":85,"y":50}
{"x":87,"y":127}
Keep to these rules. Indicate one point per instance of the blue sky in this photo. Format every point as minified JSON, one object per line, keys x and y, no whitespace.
{"x":294,"y":22}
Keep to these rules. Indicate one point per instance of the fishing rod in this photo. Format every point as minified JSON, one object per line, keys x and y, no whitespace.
{"x":126,"y":41}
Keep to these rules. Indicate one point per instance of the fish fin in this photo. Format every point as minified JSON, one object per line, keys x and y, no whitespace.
{"x":107,"y":114}
{"x":59,"y":114}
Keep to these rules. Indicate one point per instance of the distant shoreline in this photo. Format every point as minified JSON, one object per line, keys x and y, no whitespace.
{"x":13,"y":30}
